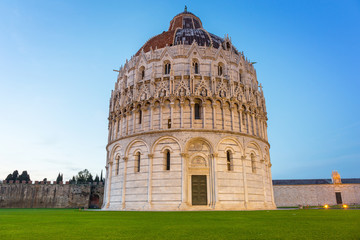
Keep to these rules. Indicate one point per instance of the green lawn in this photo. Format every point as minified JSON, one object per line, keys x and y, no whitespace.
{"x":280,"y":224}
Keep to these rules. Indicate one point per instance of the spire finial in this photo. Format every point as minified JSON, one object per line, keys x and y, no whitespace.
{"x":185,"y":10}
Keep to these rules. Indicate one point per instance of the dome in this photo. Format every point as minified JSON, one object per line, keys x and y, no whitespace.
{"x":185,"y":28}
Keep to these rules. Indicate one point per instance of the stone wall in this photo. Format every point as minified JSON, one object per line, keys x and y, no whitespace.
{"x":315,"y":194}
{"x":19,"y":195}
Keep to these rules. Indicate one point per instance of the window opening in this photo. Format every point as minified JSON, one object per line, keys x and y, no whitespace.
{"x":220,"y":70}
{"x":253,"y":167}
{"x":138,"y":162}
{"x":228,"y":161}
{"x":167,"y":68}
{"x":196,"y":68}
{"x":117,"y":165}
{"x":169,"y":123}
{"x":167,"y":160}
{"x":142,"y":74}
{"x":197,"y":111}
{"x":140,"y":116}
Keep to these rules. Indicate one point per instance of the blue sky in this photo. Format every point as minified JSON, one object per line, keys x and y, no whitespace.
{"x":57,"y":57}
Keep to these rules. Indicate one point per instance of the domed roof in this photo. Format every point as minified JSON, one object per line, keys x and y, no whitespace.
{"x":185,"y":28}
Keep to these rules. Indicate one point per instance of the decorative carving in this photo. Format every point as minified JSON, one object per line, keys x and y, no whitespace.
{"x":162,"y":89}
{"x":144,"y":93}
{"x":202,"y":89}
{"x":199,"y":161}
{"x":222,"y":89}
{"x":182,"y":89}
{"x":197,"y":146}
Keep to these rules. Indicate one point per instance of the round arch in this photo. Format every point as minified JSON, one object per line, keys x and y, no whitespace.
{"x":162,"y":138}
{"x":132,"y":143}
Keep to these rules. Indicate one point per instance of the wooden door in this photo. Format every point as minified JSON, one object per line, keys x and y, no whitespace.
{"x":338,"y":198}
{"x":199,"y":189}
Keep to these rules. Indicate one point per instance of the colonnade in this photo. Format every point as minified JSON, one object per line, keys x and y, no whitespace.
{"x":161,"y":116}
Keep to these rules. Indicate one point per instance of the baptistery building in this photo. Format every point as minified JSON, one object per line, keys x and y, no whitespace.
{"x":188,"y":126}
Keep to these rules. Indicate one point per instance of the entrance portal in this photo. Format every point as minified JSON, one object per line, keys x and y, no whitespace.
{"x":199,"y":189}
{"x":338,"y":198}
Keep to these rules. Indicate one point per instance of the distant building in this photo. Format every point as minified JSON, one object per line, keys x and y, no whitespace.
{"x":188,"y":126}
{"x":317,"y":192}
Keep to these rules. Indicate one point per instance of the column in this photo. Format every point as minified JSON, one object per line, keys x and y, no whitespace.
{"x":150,"y":156}
{"x":134,"y":120}
{"x":223,"y":116}
{"x":232,"y":117}
{"x":214,"y":114}
{"x":160,"y":116}
{"x":127,"y":123}
{"x":124,"y":183}
{"x":212,"y":176}
{"x":152,"y":109}
{"x":271,"y":185}
{"x":266,"y":136}
{"x":247,"y":114}
{"x":246,"y":198}
{"x":240,"y":120}
{"x":192,"y":115}
{"x":172,"y":113}
{"x":117,"y":127}
{"x":120,"y":126}
{"x":109,"y":137}
{"x":253,"y":124}
{"x":263,"y":177}
{"x":109,"y":184}
{"x":184,"y":180}
{"x":181,"y":114}
{"x":204,"y":105}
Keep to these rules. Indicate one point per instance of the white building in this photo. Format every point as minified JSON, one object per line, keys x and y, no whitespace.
{"x":188,"y":126}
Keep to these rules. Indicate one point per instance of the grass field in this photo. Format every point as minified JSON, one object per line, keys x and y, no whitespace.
{"x":280,"y":224}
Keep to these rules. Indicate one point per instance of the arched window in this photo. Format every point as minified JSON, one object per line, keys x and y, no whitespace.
{"x":196,"y":68}
{"x":220,"y":70}
{"x":167,"y":68}
{"x":138,"y":161}
{"x":197,"y":111}
{"x":229,"y":164}
{"x":240,"y":77}
{"x":142,"y":74}
{"x":140,"y":116}
{"x":253,"y":166}
{"x":117,"y":164}
{"x":167,"y":155}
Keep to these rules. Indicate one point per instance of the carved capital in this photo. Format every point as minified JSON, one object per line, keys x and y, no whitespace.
{"x":214,"y":155}
{"x":184,"y":155}
{"x":150,"y":155}
{"x":125,"y":159}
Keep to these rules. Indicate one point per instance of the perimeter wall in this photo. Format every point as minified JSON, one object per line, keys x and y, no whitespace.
{"x":21,"y":195}
{"x":315,"y":194}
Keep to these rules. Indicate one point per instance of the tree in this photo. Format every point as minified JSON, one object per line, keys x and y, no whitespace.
{"x":15,"y":175}
{"x":83,"y":176}
{"x":59,"y":178}
{"x":73,"y":180}
{"x":101,"y":177}
{"x":24,"y":176}
{"x":97,"y":179}
{"x":45,"y":180}
{"x":9,"y":177}
{"x":90,"y":178}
